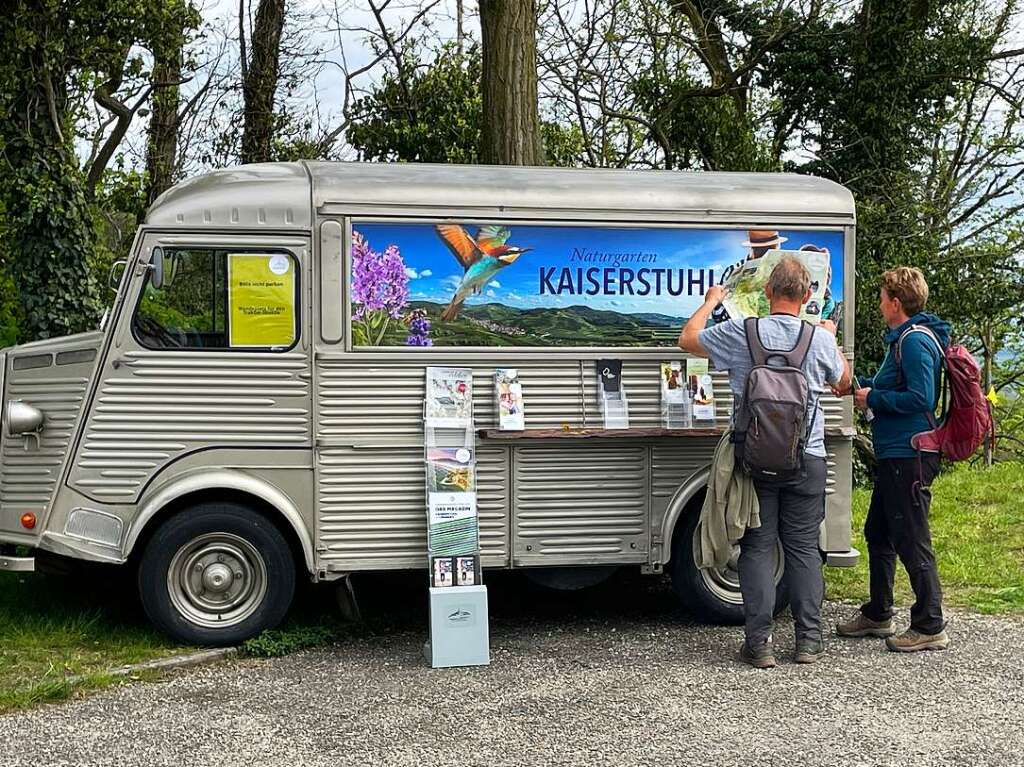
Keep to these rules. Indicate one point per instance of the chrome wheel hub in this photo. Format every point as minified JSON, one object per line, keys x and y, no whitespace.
{"x":217,"y":580}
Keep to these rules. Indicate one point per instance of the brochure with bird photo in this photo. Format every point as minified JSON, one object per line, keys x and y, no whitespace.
{"x":501,"y":285}
{"x":509,"y":395}
{"x":449,"y":400}
{"x":746,"y":297}
{"x":450,"y":470}
{"x":701,"y":390}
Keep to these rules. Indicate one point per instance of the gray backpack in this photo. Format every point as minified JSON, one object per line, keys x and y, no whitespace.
{"x":771,"y":424}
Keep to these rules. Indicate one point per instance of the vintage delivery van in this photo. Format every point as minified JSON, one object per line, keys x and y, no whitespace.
{"x":251,"y":409}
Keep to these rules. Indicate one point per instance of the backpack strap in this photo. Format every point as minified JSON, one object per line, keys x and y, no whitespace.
{"x":759,"y":354}
{"x":901,"y":380}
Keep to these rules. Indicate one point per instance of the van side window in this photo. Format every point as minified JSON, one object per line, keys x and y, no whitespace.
{"x":216,"y":299}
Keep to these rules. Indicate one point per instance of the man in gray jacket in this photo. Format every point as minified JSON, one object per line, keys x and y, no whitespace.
{"x":791,"y":509}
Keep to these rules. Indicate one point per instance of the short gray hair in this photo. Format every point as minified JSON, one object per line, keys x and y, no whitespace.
{"x":789,"y":279}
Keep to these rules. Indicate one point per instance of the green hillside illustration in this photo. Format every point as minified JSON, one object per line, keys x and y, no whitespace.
{"x":499,"y":325}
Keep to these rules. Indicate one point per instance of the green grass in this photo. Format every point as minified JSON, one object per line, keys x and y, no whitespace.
{"x":53,"y":628}
{"x":977,"y":521}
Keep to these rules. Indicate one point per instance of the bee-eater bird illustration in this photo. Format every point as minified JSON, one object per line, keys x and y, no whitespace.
{"x":481,"y":257}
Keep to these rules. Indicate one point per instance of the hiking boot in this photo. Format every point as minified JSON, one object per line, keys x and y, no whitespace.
{"x":914,"y":641}
{"x":861,"y":625}
{"x":809,"y":650}
{"x":759,"y":655}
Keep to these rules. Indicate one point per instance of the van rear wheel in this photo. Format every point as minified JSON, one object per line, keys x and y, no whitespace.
{"x":713,"y":596}
{"x":216,"y":574}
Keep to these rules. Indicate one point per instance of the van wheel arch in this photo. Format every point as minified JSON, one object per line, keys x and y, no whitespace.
{"x":227,"y":496}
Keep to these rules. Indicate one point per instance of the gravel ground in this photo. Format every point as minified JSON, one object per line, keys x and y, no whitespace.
{"x":613,"y":676}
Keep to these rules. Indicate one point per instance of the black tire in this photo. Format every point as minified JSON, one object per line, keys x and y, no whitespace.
{"x":233,"y":575}
{"x":710,"y":597}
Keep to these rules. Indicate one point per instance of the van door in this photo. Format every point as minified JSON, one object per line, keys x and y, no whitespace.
{"x":208,"y":366}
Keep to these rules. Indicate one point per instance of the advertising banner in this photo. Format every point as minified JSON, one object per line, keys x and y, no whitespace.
{"x":522,"y":285}
{"x":261,"y":294}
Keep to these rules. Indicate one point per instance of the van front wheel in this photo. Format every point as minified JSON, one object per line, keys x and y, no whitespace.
{"x":714,"y":596}
{"x":216,"y":574}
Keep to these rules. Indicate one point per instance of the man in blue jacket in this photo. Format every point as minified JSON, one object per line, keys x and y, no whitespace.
{"x":901,"y":397}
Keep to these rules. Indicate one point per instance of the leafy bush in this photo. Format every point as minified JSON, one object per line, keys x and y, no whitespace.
{"x":279,"y":642}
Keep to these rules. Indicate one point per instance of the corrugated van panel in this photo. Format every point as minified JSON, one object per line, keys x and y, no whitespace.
{"x":373,"y":507}
{"x":580,"y":503}
{"x":158,"y":405}
{"x":360,"y":401}
{"x":29,"y":477}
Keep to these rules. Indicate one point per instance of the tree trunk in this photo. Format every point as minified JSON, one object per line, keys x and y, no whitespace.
{"x":460,"y":32}
{"x":162,"y":148}
{"x":510,"y":133}
{"x":259,"y":82}
{"x":50,"y":233}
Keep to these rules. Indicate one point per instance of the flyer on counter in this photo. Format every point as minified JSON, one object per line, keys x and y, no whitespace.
{"x":509,"y":393}
{"x":673,"y":386}
{"x":701,"y":389}
{"x":449,"y":397}
{"x":745,"y":286}
{"x":609,"y":375}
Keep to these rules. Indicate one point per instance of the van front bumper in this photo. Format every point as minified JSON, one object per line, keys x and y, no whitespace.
{"x":17,"y":564}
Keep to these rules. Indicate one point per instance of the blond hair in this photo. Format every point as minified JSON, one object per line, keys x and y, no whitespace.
{"x":908,"y":285}
{"x":789,"y":279}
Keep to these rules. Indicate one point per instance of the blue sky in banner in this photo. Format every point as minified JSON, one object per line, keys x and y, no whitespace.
{"x":624,"y":270}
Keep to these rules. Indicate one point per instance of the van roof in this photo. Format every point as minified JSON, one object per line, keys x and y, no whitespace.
{"x":283,"y":195}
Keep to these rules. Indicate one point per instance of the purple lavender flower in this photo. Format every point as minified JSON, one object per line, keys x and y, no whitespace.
{"x":380,"y":289}
{"x":379,"y":280}
{"x":419,"y":329}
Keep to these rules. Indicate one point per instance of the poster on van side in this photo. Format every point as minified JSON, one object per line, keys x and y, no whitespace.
{"x":261,"y":296}
{"x":485,"y":285}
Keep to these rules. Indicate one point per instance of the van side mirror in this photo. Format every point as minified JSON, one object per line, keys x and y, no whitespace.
{"x":156,"y":263}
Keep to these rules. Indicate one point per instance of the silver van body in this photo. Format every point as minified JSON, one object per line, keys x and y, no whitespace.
{"x":326,"y":439}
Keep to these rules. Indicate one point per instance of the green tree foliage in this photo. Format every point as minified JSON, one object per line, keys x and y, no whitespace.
{"x":434,"y":117}
{"x":435,"y":114}
{"x":55,"y":55}
{"x":874,"y":92}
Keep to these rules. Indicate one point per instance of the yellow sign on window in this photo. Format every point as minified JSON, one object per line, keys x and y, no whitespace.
{"x":261,"y":296}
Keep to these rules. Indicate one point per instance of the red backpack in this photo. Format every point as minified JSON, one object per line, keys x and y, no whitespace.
{"x":967,"y":418}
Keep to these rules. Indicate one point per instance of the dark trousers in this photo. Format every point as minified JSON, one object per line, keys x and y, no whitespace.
{"x":791,"y":512}
{"x":897,"y":525}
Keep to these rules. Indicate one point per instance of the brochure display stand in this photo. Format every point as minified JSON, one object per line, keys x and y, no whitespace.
{"x":612,"y":394}
{"x":458,"y":599}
